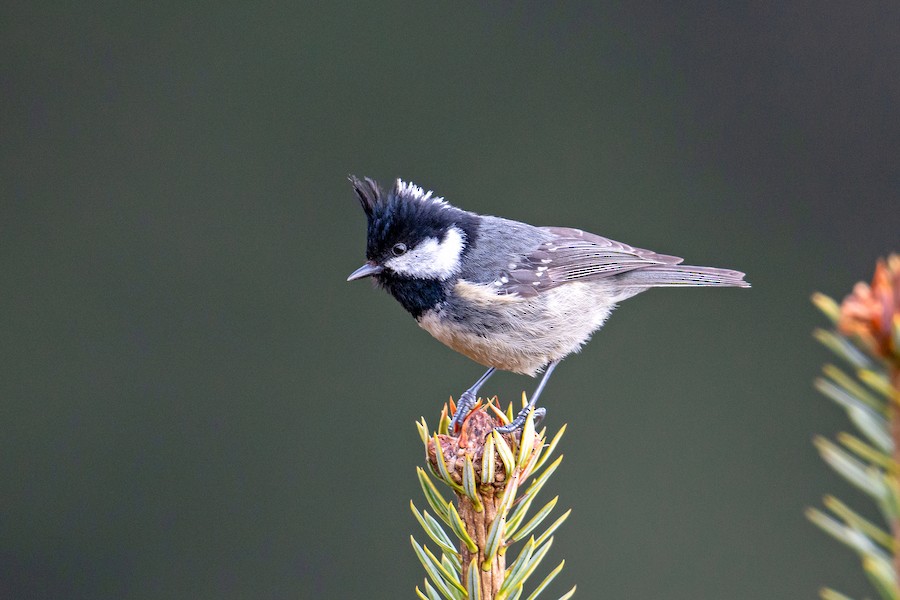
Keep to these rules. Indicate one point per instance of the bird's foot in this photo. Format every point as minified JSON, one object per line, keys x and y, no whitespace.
{"x":463,"y":408}
{"x":519,"y":421}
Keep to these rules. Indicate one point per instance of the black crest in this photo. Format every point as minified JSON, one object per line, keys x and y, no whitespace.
{"x":368,"y":192}
{"x":406,"y":214}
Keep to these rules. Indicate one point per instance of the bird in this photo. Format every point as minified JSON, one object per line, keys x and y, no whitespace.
{"x":506,"y":294}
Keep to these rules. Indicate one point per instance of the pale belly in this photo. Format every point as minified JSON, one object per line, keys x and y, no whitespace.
{"x":516,"y":334}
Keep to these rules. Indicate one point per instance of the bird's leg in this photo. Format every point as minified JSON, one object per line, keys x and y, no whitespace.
{"x":467,"y":401}
{"x":539,"y":412}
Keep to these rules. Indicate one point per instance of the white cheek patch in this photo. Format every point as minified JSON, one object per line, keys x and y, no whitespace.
{"x":431,"y":258}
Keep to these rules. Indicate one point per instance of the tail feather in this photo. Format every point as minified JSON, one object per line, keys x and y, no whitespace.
{"x":683,"y":275}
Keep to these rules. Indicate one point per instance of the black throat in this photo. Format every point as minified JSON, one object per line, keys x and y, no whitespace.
{"x":416,"y":295}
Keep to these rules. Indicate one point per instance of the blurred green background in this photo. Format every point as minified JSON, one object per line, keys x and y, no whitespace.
{"x":193,"y":402}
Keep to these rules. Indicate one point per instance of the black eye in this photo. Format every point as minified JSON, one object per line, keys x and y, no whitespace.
{"x":399,"y":249}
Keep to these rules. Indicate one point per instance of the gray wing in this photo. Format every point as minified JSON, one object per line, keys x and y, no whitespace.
{"x":573,"y":254}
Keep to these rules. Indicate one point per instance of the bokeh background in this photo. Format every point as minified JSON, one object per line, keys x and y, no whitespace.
{"x":193,"y":402}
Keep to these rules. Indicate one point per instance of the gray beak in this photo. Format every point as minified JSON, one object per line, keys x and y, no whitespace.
{"x":367,"y":270}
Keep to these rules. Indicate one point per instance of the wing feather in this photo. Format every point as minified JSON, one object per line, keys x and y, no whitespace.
{"x":573,"y":254}
{"x":576,"y":255}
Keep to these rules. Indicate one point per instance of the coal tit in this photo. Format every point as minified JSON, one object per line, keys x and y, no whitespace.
{"x":506,"y":294}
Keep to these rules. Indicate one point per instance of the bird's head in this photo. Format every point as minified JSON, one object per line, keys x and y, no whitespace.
{"x":412,"y":234}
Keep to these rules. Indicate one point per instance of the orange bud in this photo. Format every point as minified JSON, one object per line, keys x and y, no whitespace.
{"x":870,"y":311}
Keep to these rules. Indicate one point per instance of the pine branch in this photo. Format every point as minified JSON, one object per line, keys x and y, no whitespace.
{"x":867,"y":336}
{"x":495,"y":479}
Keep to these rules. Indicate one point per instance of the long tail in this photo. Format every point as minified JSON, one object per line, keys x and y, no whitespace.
{"x":683,"y":275}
